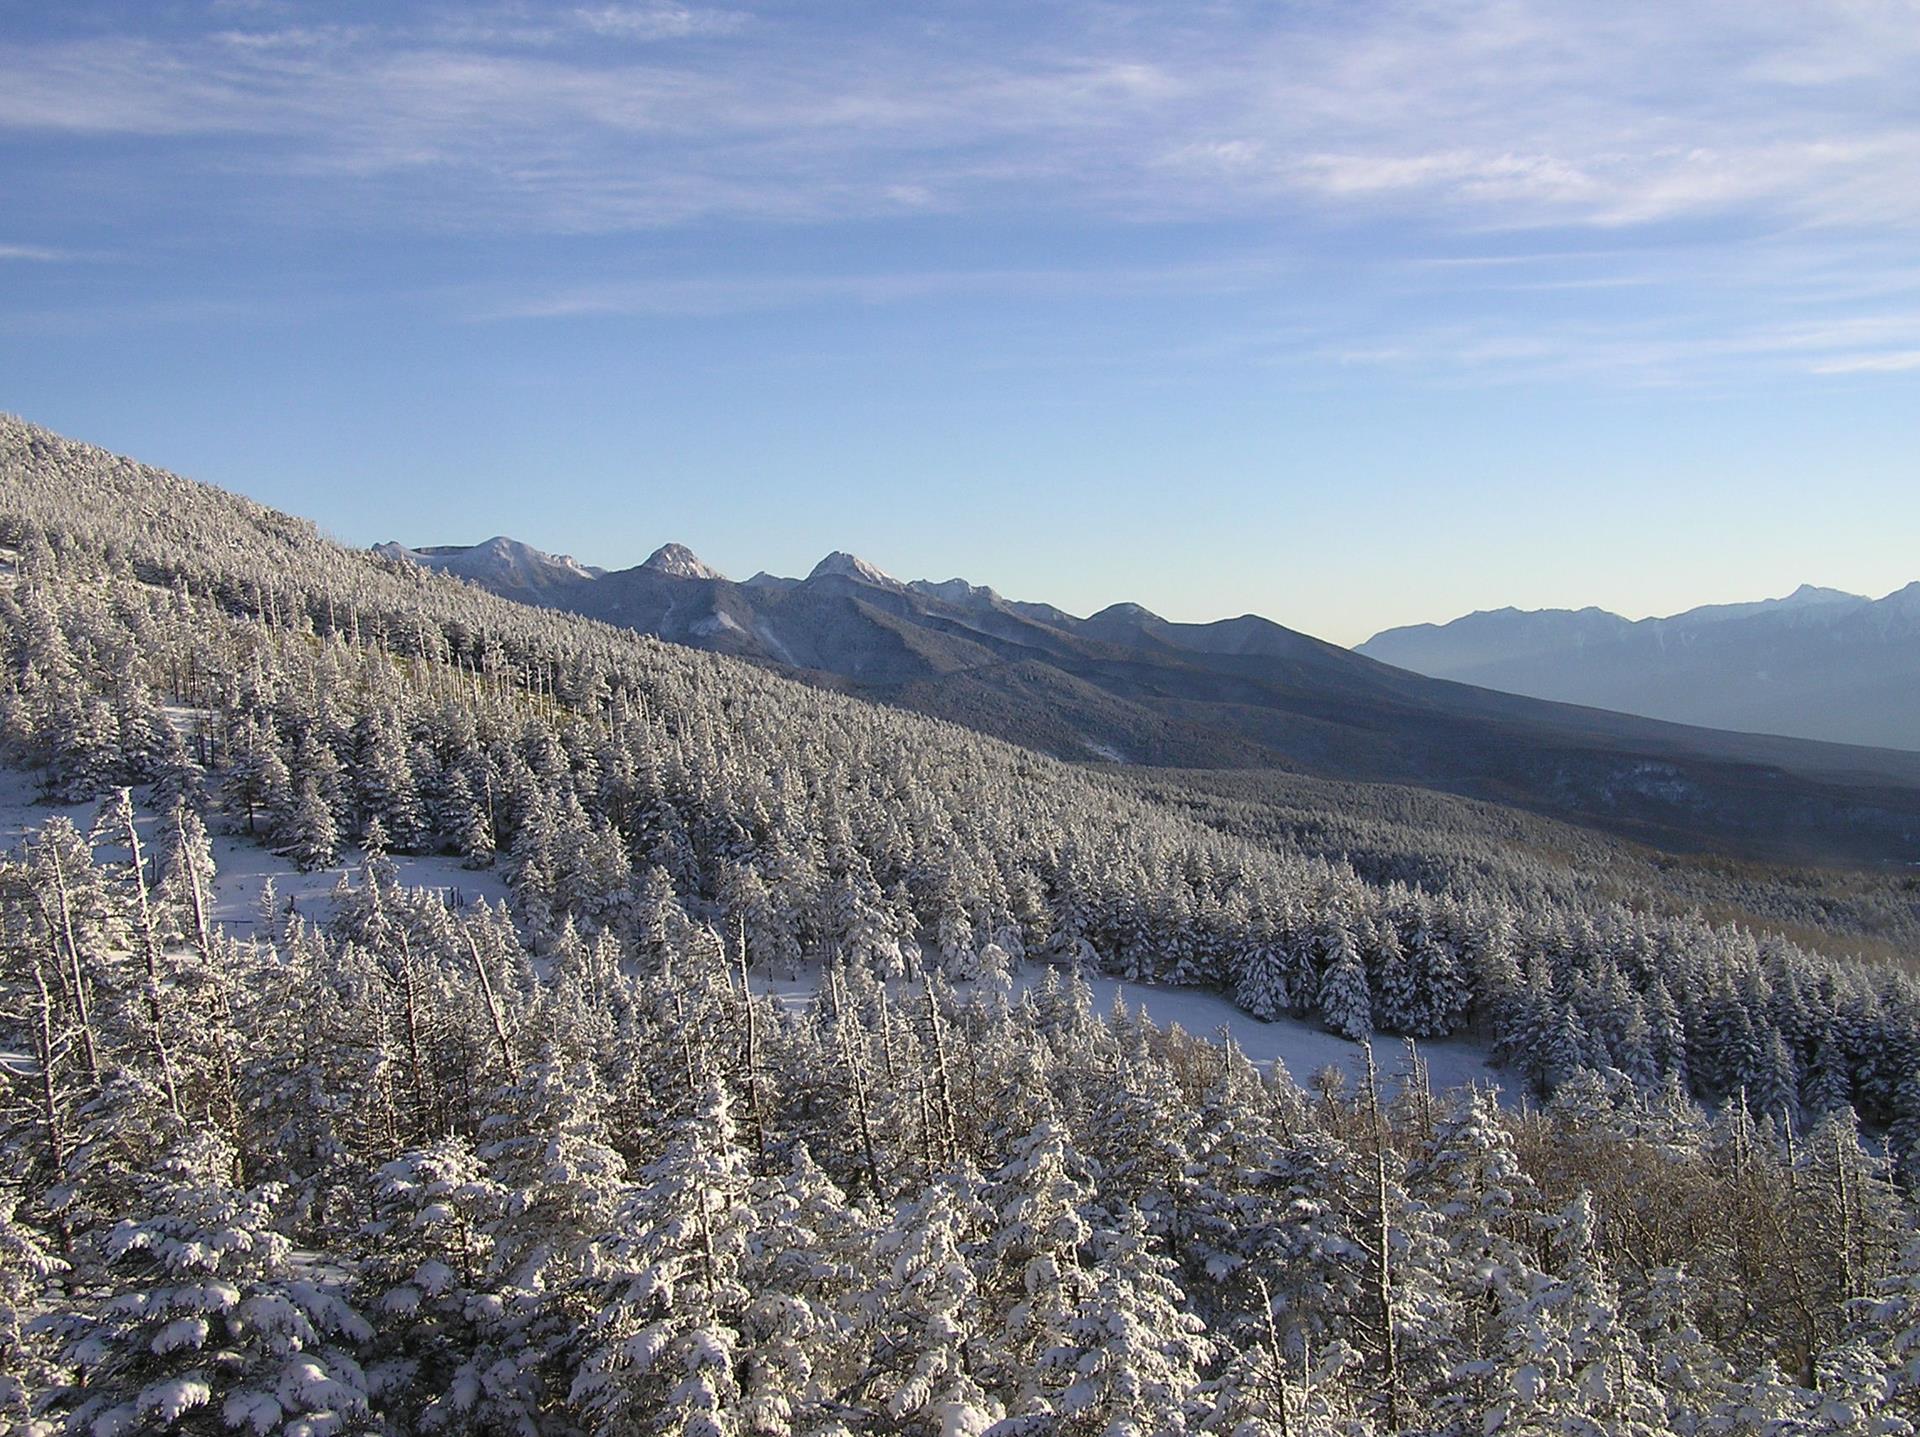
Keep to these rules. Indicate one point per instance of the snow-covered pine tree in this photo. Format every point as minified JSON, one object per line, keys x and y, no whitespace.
{"x":662,"y":1346}
{"x":196,"y":1304}
{"x":1346,"y":1005}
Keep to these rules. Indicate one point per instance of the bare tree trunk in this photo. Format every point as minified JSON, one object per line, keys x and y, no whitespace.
{"x":886,"y":1038}
{"x":1277,"y":1356}
{"x":229,"y":1083}
{"x":1382,"y":1274}
{"x":950,"y":1133}
{"x":493,"y":1007}
{"x":753,"y":1051}
{"x":1421,"y":1082}
{"x":80,"y":1000}
{"x":425,"y":1098}
{"x":929,"y":1147}
{"x":193,"y":887}
{"x":46,"y":1054}
{"x":858,"y":1078}
{"x":150,"y":949}
{"x":1849,"y":1276}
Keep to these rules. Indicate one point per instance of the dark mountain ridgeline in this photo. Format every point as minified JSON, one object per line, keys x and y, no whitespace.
{"x":1126,"y":685}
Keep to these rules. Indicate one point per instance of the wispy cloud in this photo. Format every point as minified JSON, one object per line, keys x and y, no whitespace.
{"x":34,"y":253}
{"x":742,"y":294}
{"x":1896,"y":362}
{"x":1473,"y":136}
{"x":1554,"y":112}
{"x":658,"y":22}
{"x":1643,"y":348}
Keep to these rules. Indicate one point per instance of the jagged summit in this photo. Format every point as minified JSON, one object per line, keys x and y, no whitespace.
{"x":955,"y":591}
{"x":1816,"y":662}
{"x":680,"y":562}
{"x":1808,"y":598}
{"x":1902,"y":603}
{"x":498,"y":562}
{"x":1815,"y":594}
{"x":843,"y":565}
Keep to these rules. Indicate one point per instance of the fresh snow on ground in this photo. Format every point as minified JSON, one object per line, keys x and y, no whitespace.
{"x":21,"y":813}
{"x":1302,"y":1049}
{"x":242,"y":866}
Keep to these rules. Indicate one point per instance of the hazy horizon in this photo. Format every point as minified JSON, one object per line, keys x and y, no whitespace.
{"x":800,"y":569}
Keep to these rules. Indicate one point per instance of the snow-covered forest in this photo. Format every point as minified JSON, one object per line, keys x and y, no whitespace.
{"x":581,"y":1162}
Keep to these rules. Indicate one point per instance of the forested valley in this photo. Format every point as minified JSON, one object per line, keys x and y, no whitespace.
{"x":774,"y":1100}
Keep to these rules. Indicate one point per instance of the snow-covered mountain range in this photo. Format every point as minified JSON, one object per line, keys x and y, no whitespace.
{"x":1818,"y":663}
{"x":1126,"y":685}
{"x":503,"y":565}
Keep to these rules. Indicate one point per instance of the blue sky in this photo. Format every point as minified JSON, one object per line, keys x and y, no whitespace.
{"x":1351,"y":314}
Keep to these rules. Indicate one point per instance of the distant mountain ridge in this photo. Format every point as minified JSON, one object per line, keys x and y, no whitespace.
{"x":1819,"y":663}
{"x":506,"y":566}
{"x":1125,"y":685}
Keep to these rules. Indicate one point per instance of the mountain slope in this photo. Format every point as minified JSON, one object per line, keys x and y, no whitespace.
{"x":565,"y":1078}
{"x":1127,"y":685}
{"x":506,"y":566}
{"x":1818,"y":664}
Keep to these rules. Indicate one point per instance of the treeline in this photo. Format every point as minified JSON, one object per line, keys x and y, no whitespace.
{"x":1437,"y":841}
{"x":407,"y":1175}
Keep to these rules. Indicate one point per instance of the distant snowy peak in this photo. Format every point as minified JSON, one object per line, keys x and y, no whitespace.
{"x":1126,"y":614}
{"x":1807,"y":597}
{"x":843,"y":565}
{"x":1594,"y":621}
{"x":1814,"y":594}
{"x":1817,"y":663}
{"x":499,"y":561}
{"x":680,"y":562}
{"x":955,"y":591}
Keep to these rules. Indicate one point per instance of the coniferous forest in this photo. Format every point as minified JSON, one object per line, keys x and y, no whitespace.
{"x":775,"y":1100}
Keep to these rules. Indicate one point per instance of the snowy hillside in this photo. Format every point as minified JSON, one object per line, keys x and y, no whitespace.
{"x":1248,"y":694}
{"x":763,"y":1094}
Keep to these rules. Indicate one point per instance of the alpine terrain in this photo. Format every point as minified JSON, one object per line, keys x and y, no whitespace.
{"x":1127,"y":686}
{"x":1818,"y":664}
{"x":423,"y":1011}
